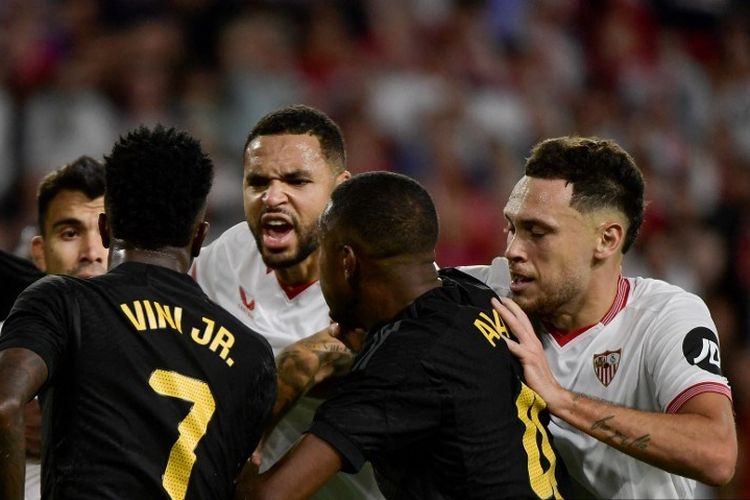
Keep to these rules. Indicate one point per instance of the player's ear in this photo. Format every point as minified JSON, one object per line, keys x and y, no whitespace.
{"x":37,"y":253}
{"x":104,"y":229}
{"x":343,"y":176}
{"x":609,"y":239}
{"x":349,"y":262}
{"x":198,"y":239}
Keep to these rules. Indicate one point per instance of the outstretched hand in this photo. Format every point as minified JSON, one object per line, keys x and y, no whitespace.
{"x":529,"y":351}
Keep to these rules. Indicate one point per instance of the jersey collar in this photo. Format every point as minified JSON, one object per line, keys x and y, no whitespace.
{"x":618,"y":304}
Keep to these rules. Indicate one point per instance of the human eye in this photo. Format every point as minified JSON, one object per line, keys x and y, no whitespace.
{"x":538,"y":232}
{"x":256,"y":182}
{"x":298,"y":180}
{"x":68,"y":233}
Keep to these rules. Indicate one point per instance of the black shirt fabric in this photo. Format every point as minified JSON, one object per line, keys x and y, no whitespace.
{"x":154,"y":391}
{"x":15,"y":275}
{"x":435,"y":401}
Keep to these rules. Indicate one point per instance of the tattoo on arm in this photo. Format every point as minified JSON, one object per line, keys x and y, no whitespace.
{"x":299,"y":368}
{"x":617,"y":437}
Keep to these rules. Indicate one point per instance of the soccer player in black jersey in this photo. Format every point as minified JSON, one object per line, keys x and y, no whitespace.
{"x":435,"y":401}
{"x":149,"y":389}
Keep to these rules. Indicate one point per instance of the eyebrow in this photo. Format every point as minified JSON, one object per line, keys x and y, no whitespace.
{"x":69,"y":221}
{"x":529,"y":222}
{"x":293,"y":175}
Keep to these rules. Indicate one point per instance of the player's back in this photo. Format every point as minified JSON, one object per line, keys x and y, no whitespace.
{"x":153,"y":390}
{"x":492,"y":420}
{"x":436,"y":402}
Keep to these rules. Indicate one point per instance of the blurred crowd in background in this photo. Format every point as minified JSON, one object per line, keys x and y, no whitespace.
{"x":451,"y":92}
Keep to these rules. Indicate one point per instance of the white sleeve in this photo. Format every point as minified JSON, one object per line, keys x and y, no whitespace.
{"x":496,"y":275}
{"x":683,"y":355}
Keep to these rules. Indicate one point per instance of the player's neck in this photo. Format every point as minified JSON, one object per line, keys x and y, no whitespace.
{"x":174,"y":258}
{"x":394,"y":286}
{"x":593,"y":304}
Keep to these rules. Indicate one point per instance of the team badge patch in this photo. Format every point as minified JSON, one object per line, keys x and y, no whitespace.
{"x":606,"y":364}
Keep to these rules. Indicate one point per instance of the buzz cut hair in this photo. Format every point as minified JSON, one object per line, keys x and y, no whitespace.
{"x":388,"y":214}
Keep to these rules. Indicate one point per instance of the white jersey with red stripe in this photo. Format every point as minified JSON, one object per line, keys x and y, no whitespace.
{"x":231,"y":272}
{"x":655,"y":349}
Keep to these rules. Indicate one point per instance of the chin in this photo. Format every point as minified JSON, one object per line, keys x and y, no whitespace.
{"x":278,"y":260}
{"x":528,"y":305}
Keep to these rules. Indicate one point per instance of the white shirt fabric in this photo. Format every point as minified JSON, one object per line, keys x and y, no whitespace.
{"x":655,"y":349}
{"x":231,"y":272}
{"x":33,"y":485}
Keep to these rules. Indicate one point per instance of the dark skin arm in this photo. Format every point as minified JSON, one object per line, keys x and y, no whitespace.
{"x":299,"y":474}
{"x":22,"y":373}
{"x":33,"y":418}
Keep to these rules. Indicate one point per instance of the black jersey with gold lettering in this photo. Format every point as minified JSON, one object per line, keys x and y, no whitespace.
{"x":154,"y":391}
{"x":436,"y":402}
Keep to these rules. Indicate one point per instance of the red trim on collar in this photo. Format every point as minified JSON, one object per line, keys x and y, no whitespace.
{"x":618,"y":304}
{"x":292,"y":291}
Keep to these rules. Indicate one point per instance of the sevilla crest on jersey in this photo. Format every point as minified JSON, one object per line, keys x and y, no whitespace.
{"x":606,"y":364}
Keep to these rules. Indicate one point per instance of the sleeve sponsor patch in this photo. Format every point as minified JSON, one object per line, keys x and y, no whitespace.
{"x":701,"y":348}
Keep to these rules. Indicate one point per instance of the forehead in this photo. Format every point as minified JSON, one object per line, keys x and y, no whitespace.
{"x":285,"y":152}
{"x":68,"y":204}
{"x":540,"y":199}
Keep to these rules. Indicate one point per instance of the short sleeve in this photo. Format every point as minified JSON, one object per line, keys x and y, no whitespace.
{"x":41,"y":320}
{"x":388,"y":404}
{"x":684,"y":355}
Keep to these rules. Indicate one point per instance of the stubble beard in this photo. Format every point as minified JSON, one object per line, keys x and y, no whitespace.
{"x":548,"y":301}
{"x":307,"y":243}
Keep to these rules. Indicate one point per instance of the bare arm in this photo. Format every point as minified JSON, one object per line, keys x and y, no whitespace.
{"x":299,"y":473}
{"x":699,"y":441}
{"x":305,"y":363}
{"x":22,"y":373}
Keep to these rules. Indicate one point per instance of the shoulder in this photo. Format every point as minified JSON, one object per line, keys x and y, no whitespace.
{"x":496,"y":275}
{"x":234,"y":248}
{"x":239,"y":234}
{"x":658,"y":295}
{"x":52,"y":284}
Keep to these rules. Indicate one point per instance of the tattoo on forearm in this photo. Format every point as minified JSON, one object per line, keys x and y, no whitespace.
{"x":299,"y":367}
{"x":617,"y":437}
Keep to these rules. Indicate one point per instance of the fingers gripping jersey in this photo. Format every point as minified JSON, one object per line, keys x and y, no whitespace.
{"x":436,"y":402}
{"x":655,"y":349}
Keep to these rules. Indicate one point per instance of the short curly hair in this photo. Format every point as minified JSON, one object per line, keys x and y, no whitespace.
{"x":85,"y":175}
{"x":301,"y":119}
{"x":602,"y":173}
{"x":157,"y":181}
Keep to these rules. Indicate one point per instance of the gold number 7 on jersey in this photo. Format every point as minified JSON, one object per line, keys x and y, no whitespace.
{"x":191,"y":429}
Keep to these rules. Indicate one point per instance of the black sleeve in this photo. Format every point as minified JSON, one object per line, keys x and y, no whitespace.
{"x":386,"y":405}
{"x":41,"y":320}
{"x":15,"y":275}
